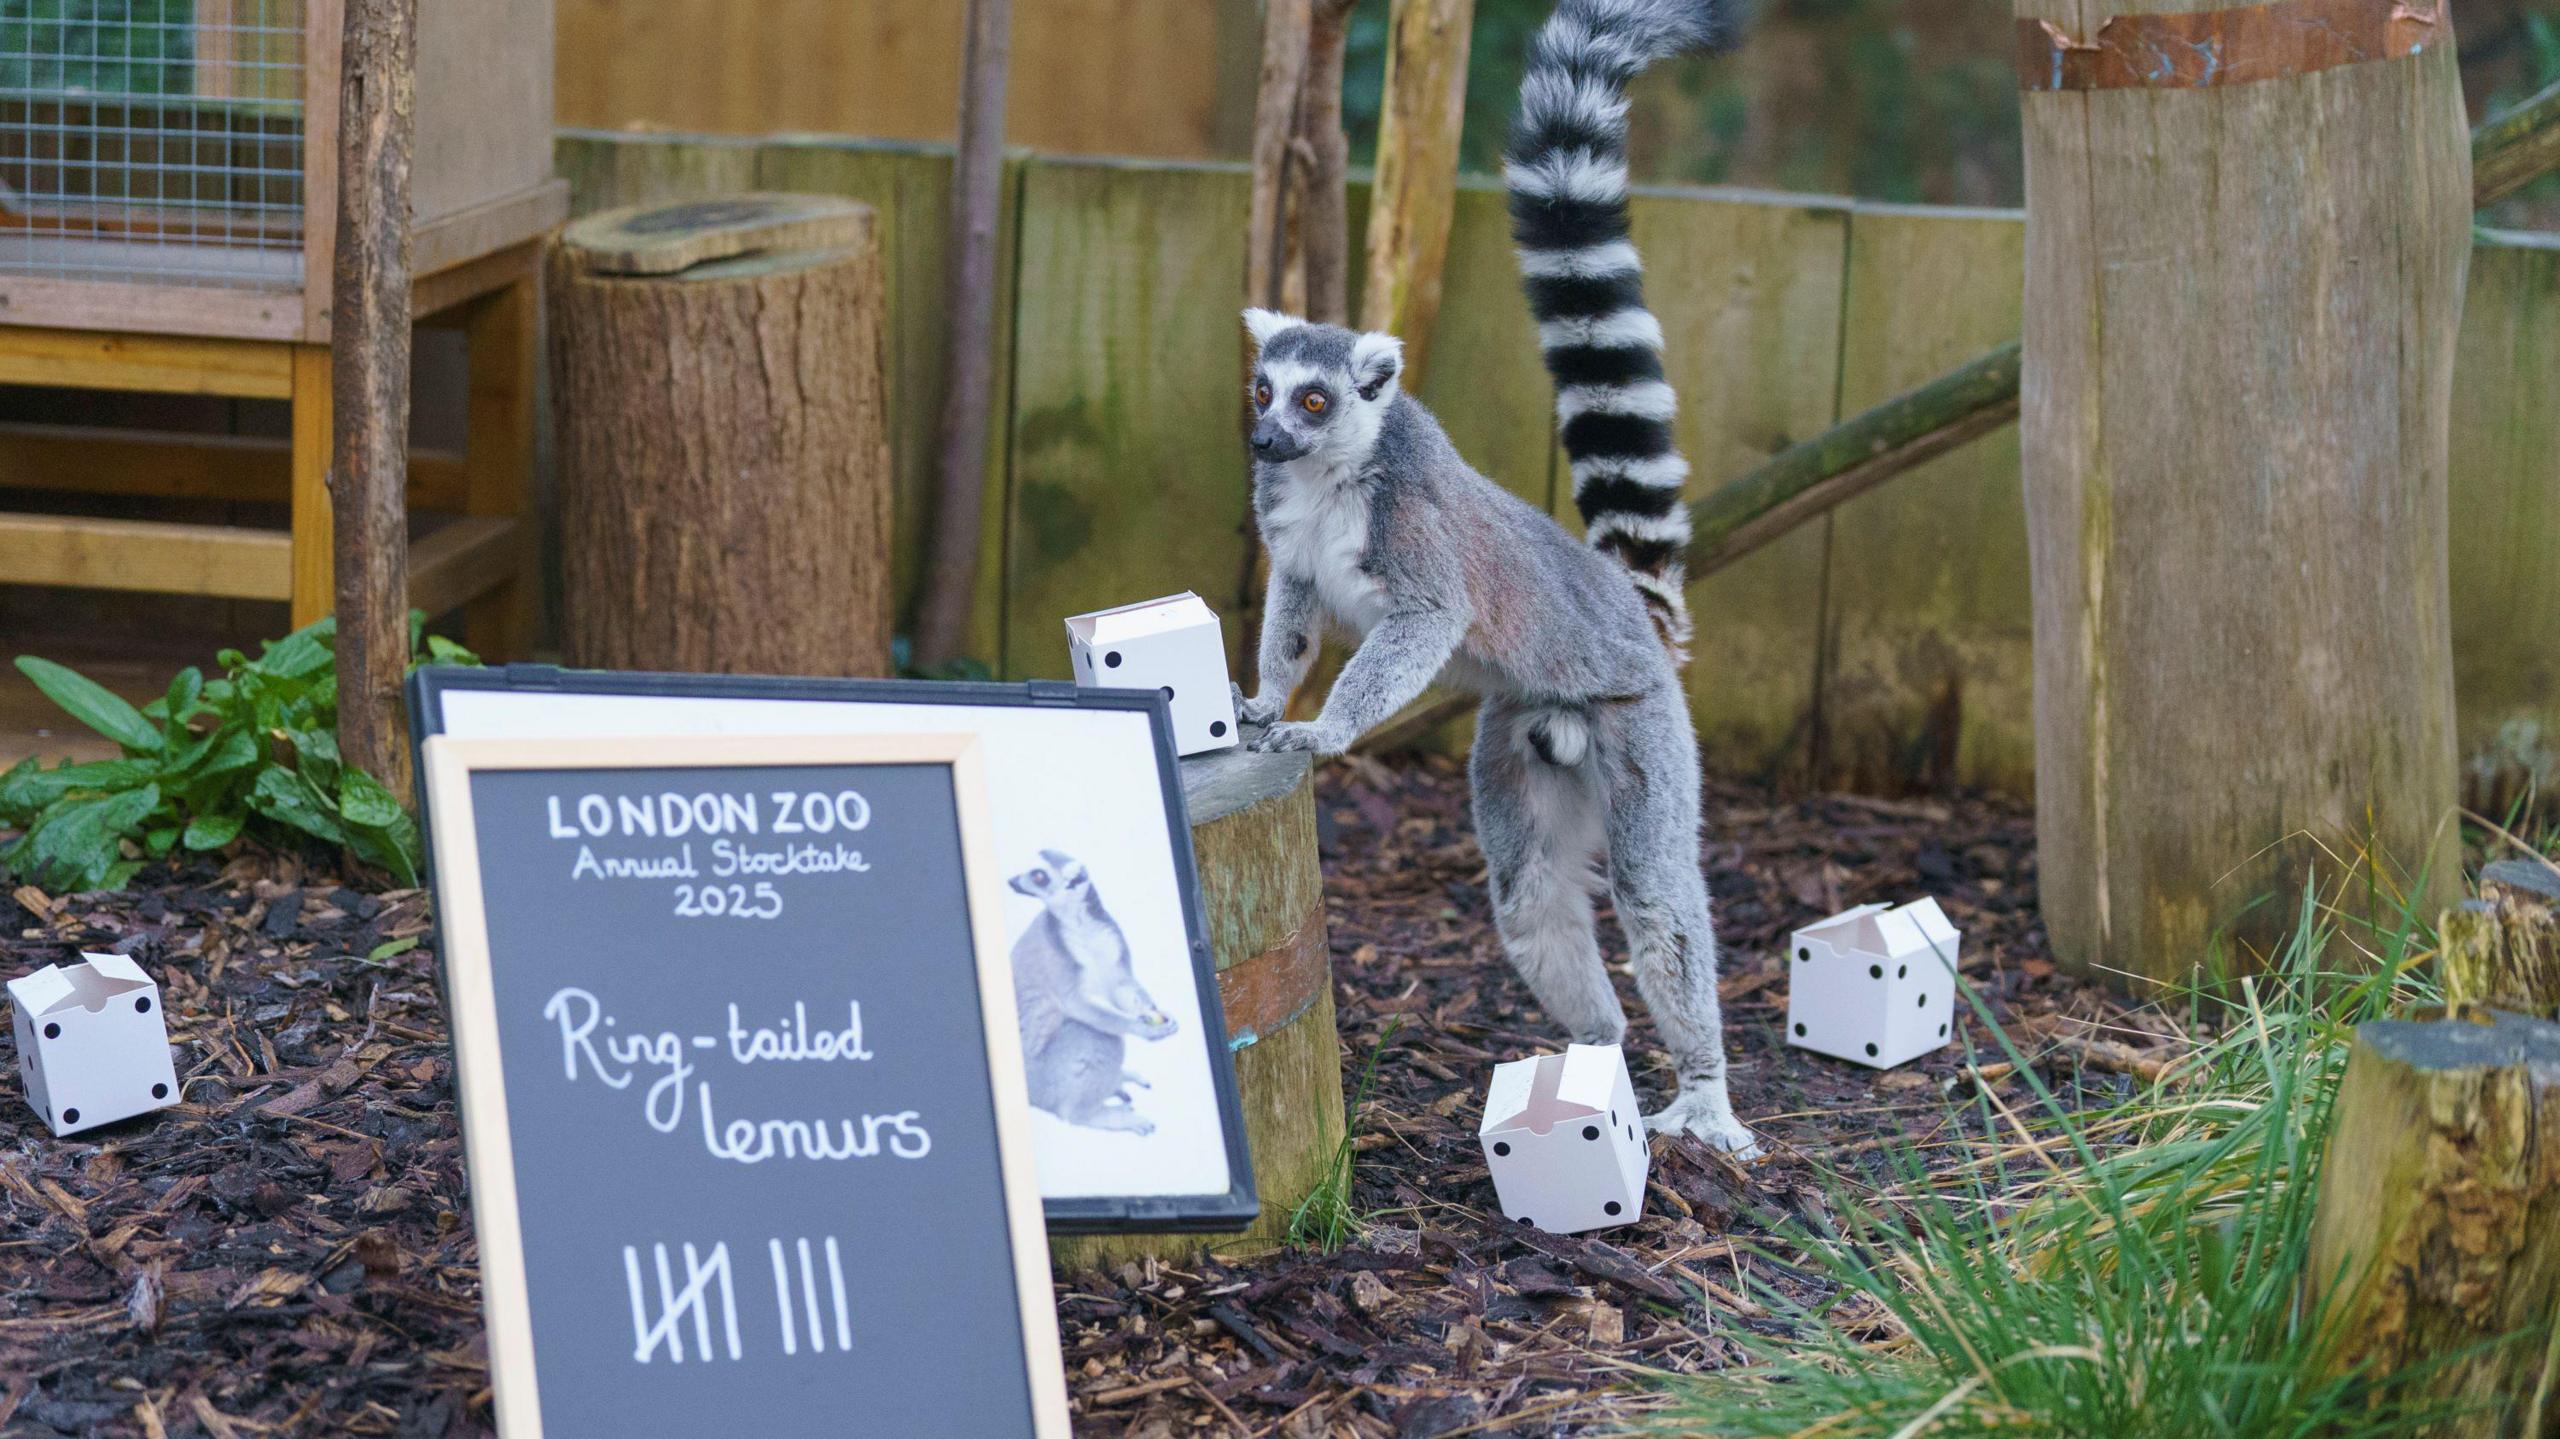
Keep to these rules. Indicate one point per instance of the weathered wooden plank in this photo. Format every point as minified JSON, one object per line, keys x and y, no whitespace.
{"x":910,"y":187}
{"x":1928,"y":675}
{"x":2504,"y":503}
{"x":1126,"y":473}
{"x":1749,"y":293}
{"x":605,"y":169}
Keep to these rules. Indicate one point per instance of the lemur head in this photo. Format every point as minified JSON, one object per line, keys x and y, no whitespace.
{"x":1058,"y":881}
{"x":1318,"y":389}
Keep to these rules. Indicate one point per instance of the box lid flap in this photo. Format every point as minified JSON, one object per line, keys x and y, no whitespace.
{"x":1147,"y":617}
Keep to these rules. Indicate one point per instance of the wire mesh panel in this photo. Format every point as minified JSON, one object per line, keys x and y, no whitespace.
{"x":152,"y":140}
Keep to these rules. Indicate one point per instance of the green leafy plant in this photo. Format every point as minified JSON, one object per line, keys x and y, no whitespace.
{"x":253,"y":751}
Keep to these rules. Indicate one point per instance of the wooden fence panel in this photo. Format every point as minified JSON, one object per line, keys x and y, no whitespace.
{"x":1126,"y":477}
{"x":1749,"y":293}
{"x":606,"y":170}
{"x":911,"y":189}
{"x":1133,"y":77}
{"x":1928,"y":676}
{"x":2505,"y":499}
{"x":1890,"y":644}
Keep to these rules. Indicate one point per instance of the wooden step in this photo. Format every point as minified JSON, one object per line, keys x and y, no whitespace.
{"x":448,"y":566}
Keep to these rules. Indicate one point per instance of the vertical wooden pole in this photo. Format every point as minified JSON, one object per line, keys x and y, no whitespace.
{"x":969,"y":300}
{"x":2240,"y":309}
{"x":1416,"y":196}
{"x":370,"y":309}
{"x":1324,"y":233}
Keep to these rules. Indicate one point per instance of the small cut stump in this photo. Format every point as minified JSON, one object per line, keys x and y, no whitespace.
{"x":1253,"y":833}
{"x":2438,"y":1232}
{"x":722,"y":419}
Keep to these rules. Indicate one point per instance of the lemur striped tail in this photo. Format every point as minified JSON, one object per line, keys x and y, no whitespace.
{"x":1567,"y":172}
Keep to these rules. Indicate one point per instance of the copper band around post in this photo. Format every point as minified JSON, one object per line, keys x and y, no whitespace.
{"x":1267,"y":992}
{"x":2247,"y":43}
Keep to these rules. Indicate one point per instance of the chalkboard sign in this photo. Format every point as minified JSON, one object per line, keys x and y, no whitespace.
{"x":742,"y":1094}
{"x":1085,"y":803}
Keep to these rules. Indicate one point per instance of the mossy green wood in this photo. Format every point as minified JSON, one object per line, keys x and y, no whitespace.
{"x":1929,"y":647}
{"x":1253,"y":834}
{"x":910,"y":186}
{"x":1126,"y":475}
{"x":606,"y":169}
{"x":2504,"y":499}
{"x":1749,"y":293}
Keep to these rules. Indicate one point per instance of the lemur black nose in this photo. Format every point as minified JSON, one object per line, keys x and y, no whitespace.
{"x":1264,"y":442}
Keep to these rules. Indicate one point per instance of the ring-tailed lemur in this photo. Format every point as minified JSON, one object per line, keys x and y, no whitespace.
{"x":1373,"y":522}
{"x":1078,"y":1001}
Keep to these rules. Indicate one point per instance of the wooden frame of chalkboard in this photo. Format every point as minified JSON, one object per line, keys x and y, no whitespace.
{"x":1207,"y":1209}
{"x":450,"y":767}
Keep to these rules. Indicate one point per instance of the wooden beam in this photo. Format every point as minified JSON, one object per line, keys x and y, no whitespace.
{"x":222,"y":561}
{"x":2516,"y":148}
{"x":91,"y":460}
{"x":369,"y":313}
{"x":1852,"y":458}
{"x":457,"y":563}
{"x":162,"y":364}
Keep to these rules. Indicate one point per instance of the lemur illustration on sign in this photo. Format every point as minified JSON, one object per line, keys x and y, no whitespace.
{"x":1079,"y":1002}
{"x":1376,"y":525}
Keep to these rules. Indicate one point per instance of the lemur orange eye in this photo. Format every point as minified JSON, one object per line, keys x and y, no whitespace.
{"x":1262,"y":392}
{"x":1314,"y":402}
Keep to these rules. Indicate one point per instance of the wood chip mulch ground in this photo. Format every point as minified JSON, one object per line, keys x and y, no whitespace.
{"x":289,"y":1250}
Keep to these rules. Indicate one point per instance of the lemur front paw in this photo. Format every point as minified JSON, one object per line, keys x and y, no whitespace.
{"x":1255,"y":711}
{"x":1311,"y":738}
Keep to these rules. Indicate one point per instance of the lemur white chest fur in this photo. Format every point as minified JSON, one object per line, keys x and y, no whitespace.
{"x":1317,"y":529}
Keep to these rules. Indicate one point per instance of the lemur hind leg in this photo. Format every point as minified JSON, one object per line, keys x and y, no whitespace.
{"x":1648,"y":761}
{"x":1539,"y":824}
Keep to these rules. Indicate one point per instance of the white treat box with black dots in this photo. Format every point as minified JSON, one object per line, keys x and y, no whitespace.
{"x":1564,"y":1141}
{"x":1875,"y":985}
{"x":1173,"y":645}
{"x":93,"y":1046}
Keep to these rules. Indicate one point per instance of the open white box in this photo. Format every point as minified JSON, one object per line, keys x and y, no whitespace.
{"x":1171,"y":644}
{"x":1564,"y":1140}
{"x":93,"y":1046}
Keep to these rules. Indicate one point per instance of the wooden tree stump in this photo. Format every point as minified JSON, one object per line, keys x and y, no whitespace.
{"x":2502,"y":950}
{"x":1253,"y":831}
{"x":723,"y":438}
{"x":2235,"y":416}
{"x":2439,"y":1221}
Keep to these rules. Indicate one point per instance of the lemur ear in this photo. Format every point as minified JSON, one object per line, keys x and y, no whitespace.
{"x":1376,"y":361}
{"x":1266,"y":323}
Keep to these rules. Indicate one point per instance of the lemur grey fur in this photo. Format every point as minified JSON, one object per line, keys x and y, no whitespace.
{"x":1079,"y":1002}
{"x":1375,"y":525}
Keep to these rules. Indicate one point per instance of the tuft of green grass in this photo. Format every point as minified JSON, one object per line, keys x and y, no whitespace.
{"x":2135,"y":1272}
{"x":1327,"y":1217}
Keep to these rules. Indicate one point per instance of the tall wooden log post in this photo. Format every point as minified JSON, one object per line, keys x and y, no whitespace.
{"x":2437,"y":1240}
{"x":369,"y":385}
{"x":2247,"y":232}
{"x":723,"y":437}
{"x":1415,"y":200}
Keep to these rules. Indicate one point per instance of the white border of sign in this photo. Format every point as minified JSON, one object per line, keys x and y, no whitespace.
{"x":463,"y":919}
